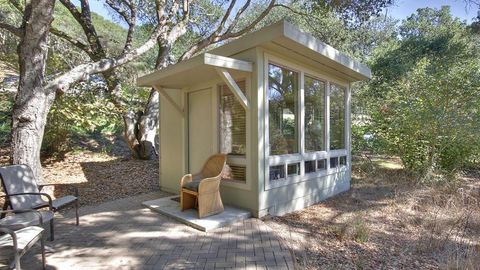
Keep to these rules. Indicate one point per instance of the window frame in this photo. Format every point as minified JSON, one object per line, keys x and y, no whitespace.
{"x":235,"y":159}
{"x":325,"y":108}
{"x":302,"y":156}
{"x":299,"y":109}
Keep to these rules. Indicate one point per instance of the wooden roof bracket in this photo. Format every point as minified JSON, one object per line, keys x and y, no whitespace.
{"x":228,"y":79}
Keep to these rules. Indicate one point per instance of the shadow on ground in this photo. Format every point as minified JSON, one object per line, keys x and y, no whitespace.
{"x":122,"y":235}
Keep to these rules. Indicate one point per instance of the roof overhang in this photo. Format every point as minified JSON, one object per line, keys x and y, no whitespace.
{"x":282,"y":37}
{"x":199,"y":68}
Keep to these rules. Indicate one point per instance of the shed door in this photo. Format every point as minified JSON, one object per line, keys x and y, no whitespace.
{"x":200,"y":128}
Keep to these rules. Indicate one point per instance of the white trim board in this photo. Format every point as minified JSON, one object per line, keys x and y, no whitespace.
{"x":205,"y":60}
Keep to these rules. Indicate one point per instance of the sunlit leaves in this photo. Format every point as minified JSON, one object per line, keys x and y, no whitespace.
{"x":425,"y":94}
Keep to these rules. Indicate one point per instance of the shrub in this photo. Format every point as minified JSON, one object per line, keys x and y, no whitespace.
{"x":82,"y":113}
{"x":6,"y":105}
{"x":425,"y":93}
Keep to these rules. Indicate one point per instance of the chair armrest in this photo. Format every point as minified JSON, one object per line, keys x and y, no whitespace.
{"x":187,"y":178}
{"x":12,"y":234}
{"x":75,"y":189}
{"x":32,"y":193}
{"x":19,"y":211}
{"x":209,"y":185}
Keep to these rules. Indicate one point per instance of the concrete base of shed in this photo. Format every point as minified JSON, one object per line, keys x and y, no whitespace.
{"x":171,"y":208}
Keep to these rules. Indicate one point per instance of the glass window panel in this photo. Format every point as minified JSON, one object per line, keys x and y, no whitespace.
{"x":314,"y":114}
{"x":293,"y":169}
{"x":337,"y":117}
{"x":343,"y":161}
{"x":322,"y":164}
{"x":309,"y":166}
{"x":277,"y":172}
{"x":333,"y":162}
{"x":235,"y":172}
{"x":233,"y":122}
{"x":282,"y":97}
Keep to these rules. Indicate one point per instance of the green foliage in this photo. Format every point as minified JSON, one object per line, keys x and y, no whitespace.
{"x":6,"y":105}
{"x":85,"y":114}
{"x":425,"y":94}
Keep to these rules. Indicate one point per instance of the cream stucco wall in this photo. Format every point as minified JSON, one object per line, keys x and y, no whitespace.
{"x":172,"y":142}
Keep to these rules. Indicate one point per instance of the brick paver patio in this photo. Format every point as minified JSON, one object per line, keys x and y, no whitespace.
{"x":123,"y":235}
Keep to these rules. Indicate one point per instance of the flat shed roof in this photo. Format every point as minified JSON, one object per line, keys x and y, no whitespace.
{"x":282,"y":37}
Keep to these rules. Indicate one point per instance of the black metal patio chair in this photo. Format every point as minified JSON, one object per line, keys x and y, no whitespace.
{"x":23,"y":192}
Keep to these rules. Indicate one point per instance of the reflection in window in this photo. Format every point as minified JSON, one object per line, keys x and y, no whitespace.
{"x":314,"y":114}
{"x":293,"y":169}
{"x":322,"y":164}
{"x":343,"y":161}
{"x":309,"y":166}
{"x":337,"y":117}
{"x":283,"y":111}
{"x":233,"y":122}
{"x":234,"y":172}
{"x":277,"y":172}
{"x":333,"y":162}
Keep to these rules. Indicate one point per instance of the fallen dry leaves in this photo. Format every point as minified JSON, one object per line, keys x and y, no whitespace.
{"x":387,"y":222}
{"x":98,"y":176}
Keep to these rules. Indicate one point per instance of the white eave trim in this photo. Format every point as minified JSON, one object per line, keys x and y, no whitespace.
{"x":292,"y":32}
{"x":212,"y":60}
{"x":227,"y":62}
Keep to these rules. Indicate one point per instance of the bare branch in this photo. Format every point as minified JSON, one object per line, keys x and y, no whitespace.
{"x":252,"y":24}
{"x":122,"y":12}
{"x":63,"y":82}
{"x":12,"y":29}
{"x":130,"y":18}
{"x":237,"y":17}
{"x":84,"y":18}
{"x":73,"y":10}
{"x":217,"y":36}
{"x":75,"y":42}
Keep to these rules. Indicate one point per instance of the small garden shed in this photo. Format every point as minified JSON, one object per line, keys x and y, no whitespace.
{"x":277,"y":102}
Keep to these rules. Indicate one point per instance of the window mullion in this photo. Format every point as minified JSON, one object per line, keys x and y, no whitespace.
{"x":301,"y":128}
{"x":327,"y":117}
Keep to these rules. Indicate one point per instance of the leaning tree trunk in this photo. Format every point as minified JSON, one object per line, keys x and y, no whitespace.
{"x":33,"y":100}
{"x":141,"y":127}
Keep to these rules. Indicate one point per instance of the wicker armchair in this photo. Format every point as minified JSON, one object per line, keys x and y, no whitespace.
{"x":202,"y":190}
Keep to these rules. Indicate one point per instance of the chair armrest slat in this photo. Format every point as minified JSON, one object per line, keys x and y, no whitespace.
{"x":19,"y":211}
{"x":12,"y":234}
{"x":32,"y":193}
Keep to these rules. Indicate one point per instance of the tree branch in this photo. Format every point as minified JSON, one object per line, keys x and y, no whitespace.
{"x":75,"y":42}
{"x":217,"y":36}
{"x":63,"y":82}
{"x":12,"y":29}
{"x":84,"y":18}
{"x":129,"y":17}
{"x":249,"y":27}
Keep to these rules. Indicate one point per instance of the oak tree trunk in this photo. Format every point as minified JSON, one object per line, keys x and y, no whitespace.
{"x":33,"y":101}
{"x":141,"y":129}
